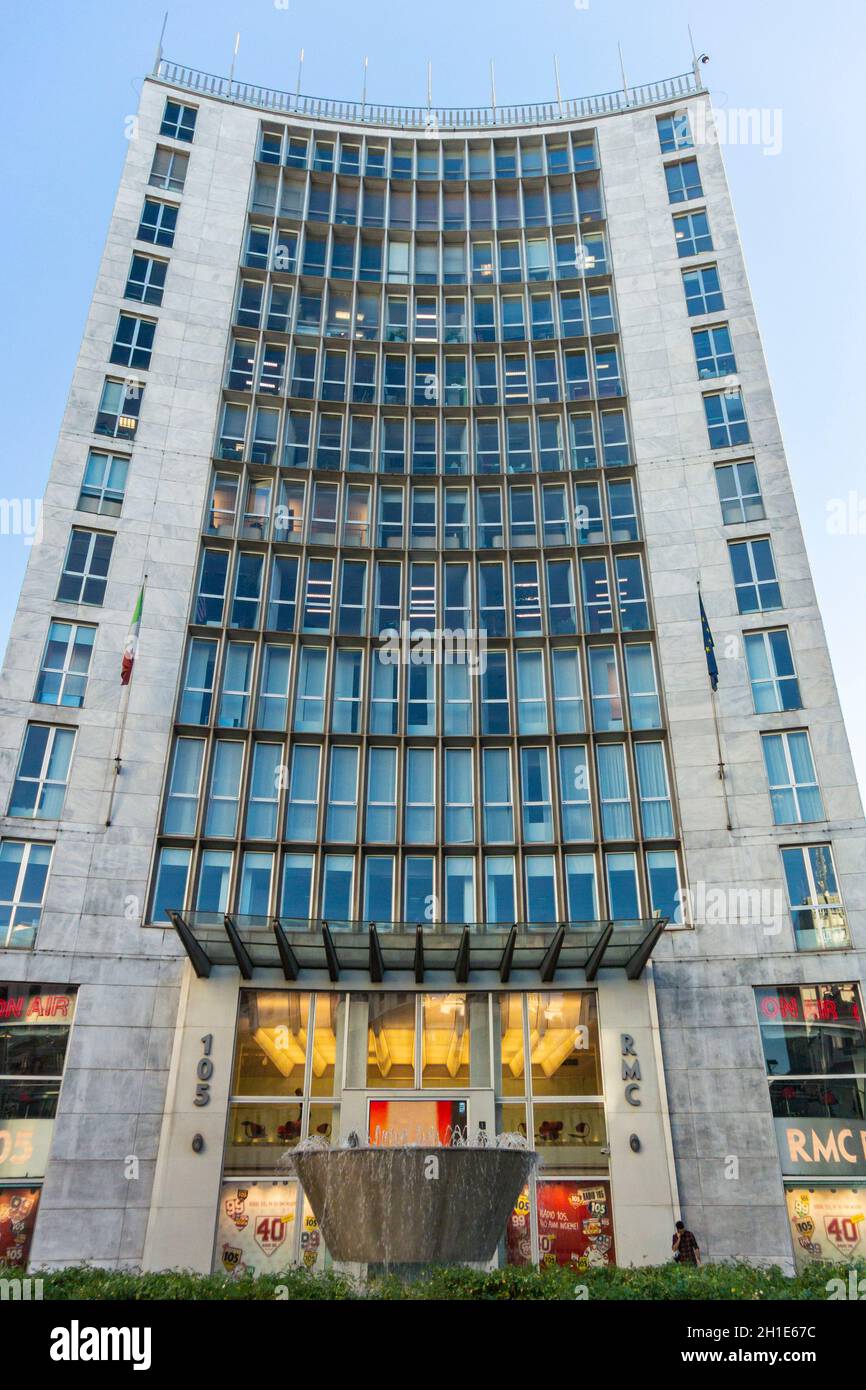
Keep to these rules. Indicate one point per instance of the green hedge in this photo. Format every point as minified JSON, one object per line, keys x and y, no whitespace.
{"x":652,"y":1283}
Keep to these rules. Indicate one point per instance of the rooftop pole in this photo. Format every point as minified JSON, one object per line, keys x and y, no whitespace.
{"x":234,"y":56}
{"x":556,"y":78}
{"x":364,"y":89}
{"x":300,"y":71}
{"x":622,"y":70}
{"x":493,"y":88}
{"x":158,"y":59}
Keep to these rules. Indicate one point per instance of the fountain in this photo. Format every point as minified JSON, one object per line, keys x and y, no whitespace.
{"x":396,"y":1203}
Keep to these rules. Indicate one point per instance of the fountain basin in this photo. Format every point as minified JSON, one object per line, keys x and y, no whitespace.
{"x":413,"y":1205}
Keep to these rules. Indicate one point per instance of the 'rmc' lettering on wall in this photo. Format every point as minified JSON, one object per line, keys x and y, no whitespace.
{"x":630,"y":1069}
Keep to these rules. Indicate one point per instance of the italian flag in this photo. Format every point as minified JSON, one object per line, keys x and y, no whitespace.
{"x":130,"y":651}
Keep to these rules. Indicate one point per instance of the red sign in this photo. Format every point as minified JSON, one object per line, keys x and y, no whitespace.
{"x":575,"y":1225}
{"x":34,"y":1008}
{"x":794,"y":1007}
{"x":18,"y":1207}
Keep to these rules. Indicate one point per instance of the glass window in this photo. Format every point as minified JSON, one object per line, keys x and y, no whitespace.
{"x":726,"y":419}
{"x":379,"y":889}
{"x":495,"y":718}
{"x":616,"y":817}
{"x":168,"y":169}
{"x":739,"y":492}
{"x":459,"y":797}
{"x":198,"y":683}
{"x":754,"y":574}
{"x":498,"y":809}
{"x":692,"y":233}
{"x":342,"y":808}
{"x":85,"y":567}
{"x":809,"y":1030}
{"x":303,"y":799}
{"x":531,"y":696}
{"x":184,"y":786}
{"x":310,"y":693}
{"x":666,"y":897}
{"x":703,"y":290}
{"x":816,"y":906}
{"x":24,"y":868}
{"x":254,"y":896}
{"x":674,"y":132}
{"x":653,"y":792}
{"x":499,"y":889}
{"x":643,"y":699}
{"x":146,"y":280}
{"x":535,"y":795}
{"x":214,"y":876}
{"x":622,"y":887}
{"x":771,"y":671}
{"x":683,"y":181}
{"x":178,"y":120}
{"x":420,"y":812}
{"x":567,"y":691}
{"x":794,"y":791}
{"x":172,"y":876}
{"x":65,"y":663}
{"x":381,"y":823}
{"x":39,"y":788}
{"x":297,"y":888}
{"x":419,"y":903}
{"x":225,"y":789}
{"x":540,"y":883}
{"x":346,"y":708}
{"x":459,"y":890}
{"x":580,"y":880}
{"x":158,"y":223}
{"x":575,"y":804}
{"x":133,"y":342}
{"x":714,"y":353}
{"x":234,"y":707}
{"x":263,"y":794}
{"x":283,"y":594}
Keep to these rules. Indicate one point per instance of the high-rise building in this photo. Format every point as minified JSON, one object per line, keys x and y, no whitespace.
{"x":419,"y":817}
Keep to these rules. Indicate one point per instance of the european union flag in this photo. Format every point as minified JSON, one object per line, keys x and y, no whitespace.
{"x":709,"y":647}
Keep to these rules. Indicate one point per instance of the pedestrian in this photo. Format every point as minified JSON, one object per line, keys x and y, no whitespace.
{"x":685,"y":1246}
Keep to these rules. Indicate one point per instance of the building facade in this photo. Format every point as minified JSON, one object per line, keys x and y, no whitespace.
{"x":421,"y":433}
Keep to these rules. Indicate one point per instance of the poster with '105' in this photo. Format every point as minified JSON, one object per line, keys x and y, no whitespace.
{"x":827,"y":1223}
{"x":257,"y":1230}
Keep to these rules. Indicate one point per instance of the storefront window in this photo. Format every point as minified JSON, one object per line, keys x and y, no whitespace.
{"x":563,"y":1041}
{"x":391,"y":1040}
{"x":812,"y":1029}
{"x":445,"y":1040}
{"x":35,"y":1022}
{"x":573,"y":1225}
{"x":815,"y":1050}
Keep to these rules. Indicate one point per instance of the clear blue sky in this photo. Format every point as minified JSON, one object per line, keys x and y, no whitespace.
{"x":72,"y":72}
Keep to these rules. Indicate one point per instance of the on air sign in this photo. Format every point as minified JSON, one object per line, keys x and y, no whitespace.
{"x":40,"y":1006}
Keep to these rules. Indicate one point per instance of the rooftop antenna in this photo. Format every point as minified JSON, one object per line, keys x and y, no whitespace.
{"x":556,"y":77}
{"x":364,"y":88}
{"x":158,"y":58}
{"x":300,"y":71}
{"x":429,"y":85}
{"x":622,"y":70}
{"x":493,"y":88}
{"x":234,"y":56}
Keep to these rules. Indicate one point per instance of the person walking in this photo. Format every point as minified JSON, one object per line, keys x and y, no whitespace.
{"x":685,"y":1246}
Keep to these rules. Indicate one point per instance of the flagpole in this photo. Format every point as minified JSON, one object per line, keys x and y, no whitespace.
{"x":721,"y":764}
{"x":118,"y":756}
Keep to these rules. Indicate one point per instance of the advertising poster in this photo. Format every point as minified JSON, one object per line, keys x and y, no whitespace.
{"x":827,"y":1223}
{"x":575,"y":1225}
{"x":256,"y":1228}
{"x":18,"y":1207}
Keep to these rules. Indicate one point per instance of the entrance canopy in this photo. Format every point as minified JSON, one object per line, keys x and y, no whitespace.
{"x":369,"y":950}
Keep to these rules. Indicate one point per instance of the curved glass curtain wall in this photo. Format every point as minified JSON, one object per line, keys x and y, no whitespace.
{"x":424,"y":422}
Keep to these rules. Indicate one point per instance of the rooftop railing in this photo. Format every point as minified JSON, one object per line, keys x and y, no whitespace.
{"x":430,"y":119}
